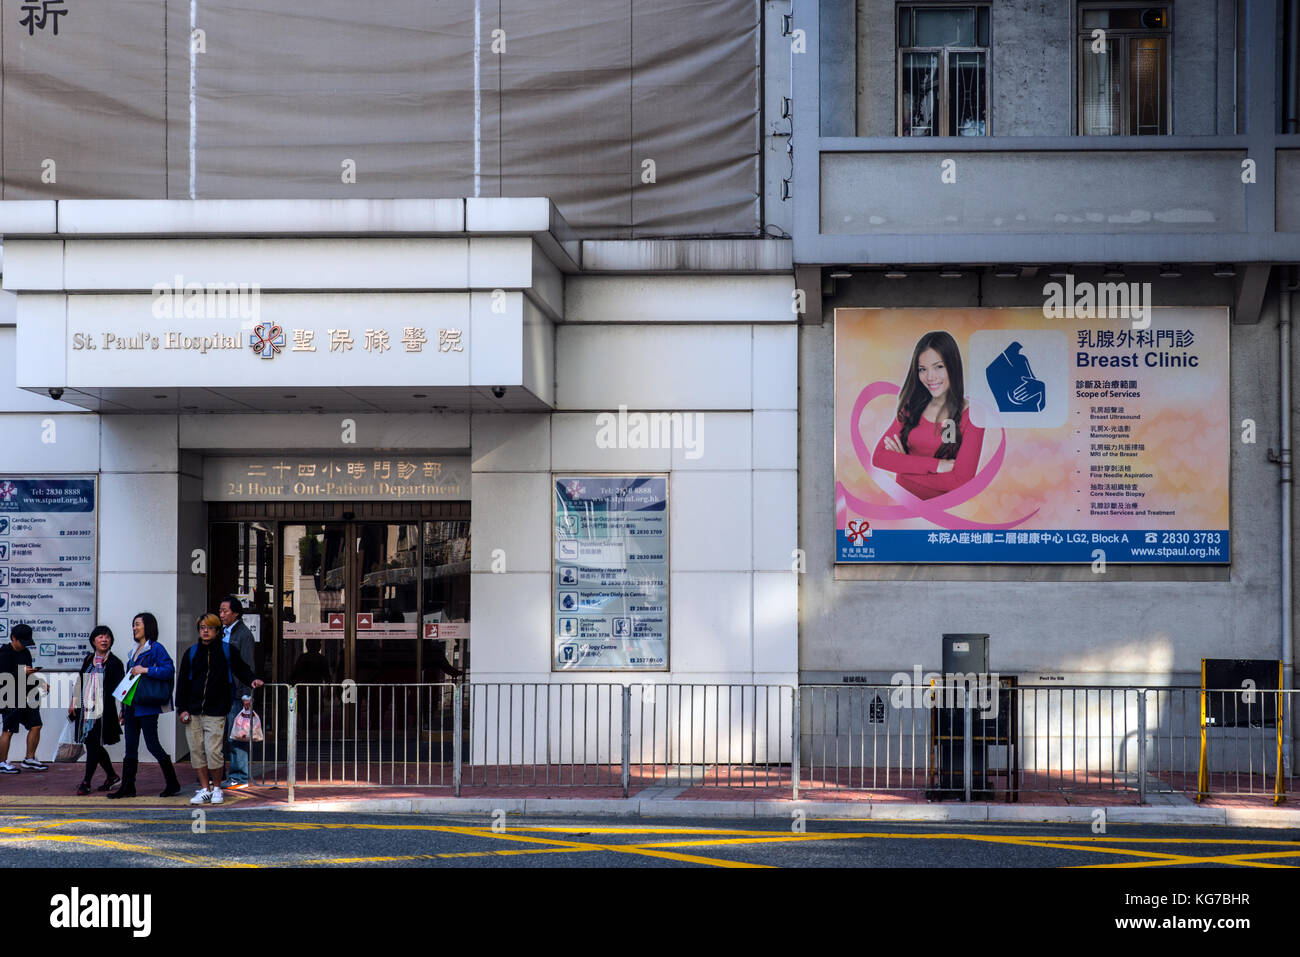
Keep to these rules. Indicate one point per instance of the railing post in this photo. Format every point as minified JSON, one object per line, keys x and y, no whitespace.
{"x":794,"y":746}
{"x":456,"y":732}
{"x":627,"y":738}
{"x":1142,"y":745}
{"x":967,"y":744}
{"x":293,"y":739}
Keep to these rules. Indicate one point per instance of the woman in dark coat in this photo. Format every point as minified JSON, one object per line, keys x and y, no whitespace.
{"x":101,"y":672}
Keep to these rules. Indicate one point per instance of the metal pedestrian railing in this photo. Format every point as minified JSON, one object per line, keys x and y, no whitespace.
{"x":1046,"y":741}
{"x":351,"y":735}
{"x":965,"y":739}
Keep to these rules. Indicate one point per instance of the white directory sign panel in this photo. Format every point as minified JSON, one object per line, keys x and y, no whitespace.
{"x":610,"y":573}
{"x":47,"y":565}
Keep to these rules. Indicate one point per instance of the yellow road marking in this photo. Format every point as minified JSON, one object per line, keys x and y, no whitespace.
{"x":615,"y":848}
{"x":123,"y":846}
{"x":449,"y":854}
{"x":687,"y":837}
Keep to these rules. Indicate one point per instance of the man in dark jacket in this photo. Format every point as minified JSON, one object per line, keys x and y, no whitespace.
{"x":238,"y":640}
{"x":203,"y":696}
{"x":16,"y":664}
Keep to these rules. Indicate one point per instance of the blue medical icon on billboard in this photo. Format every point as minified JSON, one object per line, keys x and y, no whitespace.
{"x":1013,"y":383}
{"x":1026,"y":382}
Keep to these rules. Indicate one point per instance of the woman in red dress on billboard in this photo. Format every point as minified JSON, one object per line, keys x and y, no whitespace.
{"x":932,"y":444}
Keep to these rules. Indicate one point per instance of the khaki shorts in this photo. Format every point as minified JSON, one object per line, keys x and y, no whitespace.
{"x":205,"y":734}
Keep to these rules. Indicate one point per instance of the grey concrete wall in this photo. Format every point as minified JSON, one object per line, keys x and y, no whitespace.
{"x":1032,"y":87}
{"x":1034,"y":192}
{"x":1288,"y":190}
{"x":1033,"y":63}
{"x":1195,"y":61}
{"x":1132,"y":624}
{"x":877,"y":68}
{"x":777,"y":213}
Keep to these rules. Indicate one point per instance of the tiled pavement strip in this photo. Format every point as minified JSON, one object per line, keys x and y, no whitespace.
{"x":55,"y":789}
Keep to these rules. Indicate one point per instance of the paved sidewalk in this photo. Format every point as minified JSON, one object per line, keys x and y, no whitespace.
{"x":56,"y":790}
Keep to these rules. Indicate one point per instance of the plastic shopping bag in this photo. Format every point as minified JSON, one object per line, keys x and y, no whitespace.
{"x":248,"y":726}
{"x":70,"y":749}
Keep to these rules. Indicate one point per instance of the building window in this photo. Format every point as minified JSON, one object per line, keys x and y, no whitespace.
{"x":943,"y":71}
{"x":1123,"y":70}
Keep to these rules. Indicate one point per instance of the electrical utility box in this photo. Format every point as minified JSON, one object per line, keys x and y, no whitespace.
{"x":965,"y":654}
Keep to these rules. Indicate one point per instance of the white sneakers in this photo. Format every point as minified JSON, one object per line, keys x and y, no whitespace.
{"x":207,"y":796}
{"x":216,"y":796}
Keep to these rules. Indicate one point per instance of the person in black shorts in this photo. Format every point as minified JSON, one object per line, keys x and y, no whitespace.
{"x":16,"y":661}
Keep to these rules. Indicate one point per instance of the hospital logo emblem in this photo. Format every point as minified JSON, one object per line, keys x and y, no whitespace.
{"x":267,"y":339}
{"x":7,"y":491}
{"x":858,"y":532}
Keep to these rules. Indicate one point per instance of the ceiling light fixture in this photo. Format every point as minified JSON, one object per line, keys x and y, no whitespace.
{"x":950,"y":272}
{"x":1170,"y":271}
{"x":893,"y":273}
{"x":1225,"y":270}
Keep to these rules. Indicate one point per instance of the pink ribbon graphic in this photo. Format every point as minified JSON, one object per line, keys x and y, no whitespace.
{"x":933,"y":510}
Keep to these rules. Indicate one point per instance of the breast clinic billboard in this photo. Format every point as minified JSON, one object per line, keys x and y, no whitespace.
{"x":1030,"y":435}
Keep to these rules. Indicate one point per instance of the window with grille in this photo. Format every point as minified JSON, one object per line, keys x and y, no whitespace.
{"x":1123,"y":70}
{"x":943,"y":71}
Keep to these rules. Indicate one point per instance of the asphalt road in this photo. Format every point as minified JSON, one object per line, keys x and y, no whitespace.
{"x":262,"y":838}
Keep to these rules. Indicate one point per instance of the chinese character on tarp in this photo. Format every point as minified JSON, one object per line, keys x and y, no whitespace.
{"x":405,"y":470}
{"x":382,"y":469}
{"x":47,"y":9}
{"x":432,"y":469}
{"x":356,"y":469}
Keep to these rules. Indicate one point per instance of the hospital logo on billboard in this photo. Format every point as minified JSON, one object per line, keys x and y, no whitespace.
{"x":7,"y":491}
{"x":858,"y":532}
{"x":267,"y":339}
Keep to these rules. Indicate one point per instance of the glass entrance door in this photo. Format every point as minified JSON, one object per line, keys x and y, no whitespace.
{"x":314,"y":609}
{"x":386,"y":618}
{"x":371,"y":601}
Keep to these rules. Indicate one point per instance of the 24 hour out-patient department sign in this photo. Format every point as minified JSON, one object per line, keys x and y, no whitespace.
{"x":610,"y":573}
{"x":47,"y":565}
{"x":1082,"y":438}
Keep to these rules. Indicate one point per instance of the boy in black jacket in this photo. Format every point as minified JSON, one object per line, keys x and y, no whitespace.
{"x":203,"y":696}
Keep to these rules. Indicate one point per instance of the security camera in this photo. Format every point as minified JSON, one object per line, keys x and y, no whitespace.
{"x":499,"y":391}
{"x":56,"y":394}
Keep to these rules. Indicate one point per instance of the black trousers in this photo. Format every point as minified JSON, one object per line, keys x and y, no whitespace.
{"x":96,"y":755}
{"x":131,"y":728}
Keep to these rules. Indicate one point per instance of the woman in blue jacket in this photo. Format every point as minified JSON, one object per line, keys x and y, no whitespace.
{"x":149,"y":658}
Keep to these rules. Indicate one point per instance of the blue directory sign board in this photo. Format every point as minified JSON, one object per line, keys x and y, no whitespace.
{"x":610,"y":573}
{"x":47,"y":565}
